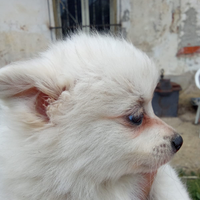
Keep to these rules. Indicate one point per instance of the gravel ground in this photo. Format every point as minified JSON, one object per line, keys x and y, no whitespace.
{"x":188,"y":157}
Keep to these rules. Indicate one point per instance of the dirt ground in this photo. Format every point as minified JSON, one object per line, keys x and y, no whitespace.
{"x":188,"y":157}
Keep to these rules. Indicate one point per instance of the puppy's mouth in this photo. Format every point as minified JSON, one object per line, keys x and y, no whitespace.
{"x":154,"y":164}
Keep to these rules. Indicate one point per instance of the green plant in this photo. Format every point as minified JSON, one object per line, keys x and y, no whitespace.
{"x":194,"y":188}
{"x":193,"y":185}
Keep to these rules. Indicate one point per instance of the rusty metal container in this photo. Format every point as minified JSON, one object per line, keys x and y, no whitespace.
{"x":165,"y":99}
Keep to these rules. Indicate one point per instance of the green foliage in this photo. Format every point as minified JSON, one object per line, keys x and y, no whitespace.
{"x":194,"y":188}
{"x":193,"y":185}
{"x":182,"y":173}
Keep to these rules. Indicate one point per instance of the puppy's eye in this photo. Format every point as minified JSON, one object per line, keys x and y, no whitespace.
{"x":136,"y":120}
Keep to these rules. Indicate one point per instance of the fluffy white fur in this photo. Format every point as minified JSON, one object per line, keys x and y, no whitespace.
{"x":80,"y":144}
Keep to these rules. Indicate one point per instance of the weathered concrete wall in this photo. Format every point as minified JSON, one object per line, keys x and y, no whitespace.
{"x":24,"y":29}
{"x":169,"y":31}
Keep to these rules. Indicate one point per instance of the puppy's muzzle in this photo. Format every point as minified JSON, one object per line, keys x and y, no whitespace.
{"x":176,"y":142}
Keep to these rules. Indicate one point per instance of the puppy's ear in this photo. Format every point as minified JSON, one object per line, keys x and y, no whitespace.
{"x":36,"y":80}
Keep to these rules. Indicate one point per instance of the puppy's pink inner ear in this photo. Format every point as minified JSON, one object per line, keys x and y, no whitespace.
{"x":42,"y":101}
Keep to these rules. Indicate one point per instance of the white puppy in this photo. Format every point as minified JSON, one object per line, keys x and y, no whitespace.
{"x":77,"y":124}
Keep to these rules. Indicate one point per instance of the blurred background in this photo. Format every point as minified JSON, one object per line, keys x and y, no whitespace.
{"x":168,"y":31}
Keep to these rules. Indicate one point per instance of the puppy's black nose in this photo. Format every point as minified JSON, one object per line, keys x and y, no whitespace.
{"x":177,"y":142}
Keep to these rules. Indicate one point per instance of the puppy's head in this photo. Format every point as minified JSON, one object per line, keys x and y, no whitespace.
{"x":85,"y":107}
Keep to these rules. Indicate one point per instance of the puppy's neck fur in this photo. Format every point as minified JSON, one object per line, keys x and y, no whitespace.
{"x":128,"y":187}
{"x":124,"y":188}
